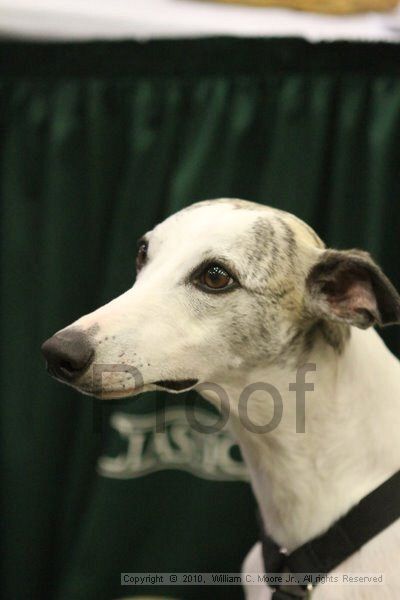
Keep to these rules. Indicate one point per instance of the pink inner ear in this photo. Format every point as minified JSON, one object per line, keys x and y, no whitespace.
{"x":353,"y":296}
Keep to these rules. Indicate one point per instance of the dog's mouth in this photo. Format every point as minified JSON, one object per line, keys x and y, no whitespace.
{"x":176,"y":386}
{"x":168,"y":385}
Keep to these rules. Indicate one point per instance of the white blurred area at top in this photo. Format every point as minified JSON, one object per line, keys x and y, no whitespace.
{"x":53,"y":20}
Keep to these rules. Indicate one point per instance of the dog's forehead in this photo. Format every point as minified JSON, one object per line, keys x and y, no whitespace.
{"x":229,"y":224}
{"x":218,"y":223}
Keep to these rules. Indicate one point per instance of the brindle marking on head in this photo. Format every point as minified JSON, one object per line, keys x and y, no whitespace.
{"x":278,"y":248}
{"x":334,"y":334}
{"x":271,"y":248}
{"x":290,"y":241}
{"x":305,"y":337}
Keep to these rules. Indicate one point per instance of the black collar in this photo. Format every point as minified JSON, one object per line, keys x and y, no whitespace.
{"x":364,"y":521}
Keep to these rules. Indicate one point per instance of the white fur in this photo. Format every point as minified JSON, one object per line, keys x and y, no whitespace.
{"x":303,"y":482}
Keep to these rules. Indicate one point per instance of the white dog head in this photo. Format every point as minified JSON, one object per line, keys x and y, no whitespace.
{"x":222,"y":286}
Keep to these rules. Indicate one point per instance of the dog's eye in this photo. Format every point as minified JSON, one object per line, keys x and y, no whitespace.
{"x":141,"y":255}
{"x":215,"y":278}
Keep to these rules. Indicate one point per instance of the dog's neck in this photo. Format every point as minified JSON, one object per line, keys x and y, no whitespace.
{"x":304,"y":482}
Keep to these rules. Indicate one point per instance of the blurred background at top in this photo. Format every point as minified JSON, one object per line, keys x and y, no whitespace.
{"x":145,"y":19}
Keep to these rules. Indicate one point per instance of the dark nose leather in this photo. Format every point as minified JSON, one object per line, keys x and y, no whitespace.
{"x":68,"y":354}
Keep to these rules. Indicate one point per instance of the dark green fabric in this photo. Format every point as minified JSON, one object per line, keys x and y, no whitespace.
{"x":99,"y":142}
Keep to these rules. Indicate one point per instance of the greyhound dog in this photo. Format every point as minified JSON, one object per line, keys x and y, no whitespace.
{"x":231,"y":294}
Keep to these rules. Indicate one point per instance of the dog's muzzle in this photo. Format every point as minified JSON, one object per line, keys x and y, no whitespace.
{"x":68,"y":354}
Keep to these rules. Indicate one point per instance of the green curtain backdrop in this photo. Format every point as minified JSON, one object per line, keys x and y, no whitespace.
{"x":99,"y":141}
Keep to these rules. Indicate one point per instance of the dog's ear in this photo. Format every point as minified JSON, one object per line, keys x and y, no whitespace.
{"x":349,"y":286}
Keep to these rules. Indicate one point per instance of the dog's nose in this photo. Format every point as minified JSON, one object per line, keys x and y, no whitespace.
{"x":68,"y":354}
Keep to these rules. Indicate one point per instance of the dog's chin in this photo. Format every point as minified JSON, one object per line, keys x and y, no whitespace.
{"x":114,"y":394}
{"x":173,"y":386}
